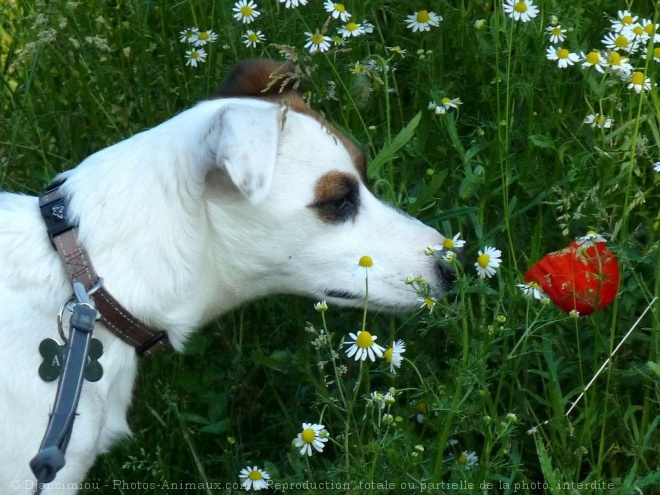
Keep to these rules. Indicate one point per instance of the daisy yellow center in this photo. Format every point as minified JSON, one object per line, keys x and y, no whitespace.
{"x":423,"y":16}
{"x":656,"y":52}
{"x":444,"y":101}
{"x":255,"y":475}
{"x":203,"y":36}
{"x":462,"y":459}
{"x":194,"y":54}
{"x":534,"y":285}
{"x":627,"y":20}
{"x":358,"y":69}
{"x":253,"y":37}
{"x":614,"y":58}
{"x":339,"y":7}
{"x":351,"y":26}
{"x":247,"y":11}
{"x":637,"y":78}
{"x":638,"y":30}
{"x":563,"y":53}
{"x":420,"y":407}
{"x":387,"y":356}
{"x":621,"y":41}
{"x":308,"y":435}
{"x":593,"y":58}
{"x":364,"y":340}
{"x":317,"y":38}
{"x":520,"y":7}
{"x":429,"y":302}
{"x":600,"y":120}
{"x":556,"y":31}
{"x":483,"y":260}
{"x":365,"y":261}
{"x":650,"y":29}
{"x":447,"y":243}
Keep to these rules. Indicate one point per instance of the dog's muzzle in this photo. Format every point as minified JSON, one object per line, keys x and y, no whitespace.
{"x":448,"y":269}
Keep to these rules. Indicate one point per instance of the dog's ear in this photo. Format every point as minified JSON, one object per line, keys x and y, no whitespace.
{"x":247,"y":147}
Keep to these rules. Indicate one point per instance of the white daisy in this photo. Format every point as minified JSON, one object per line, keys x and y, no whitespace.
{"x":393,"y":355}
{"x":556,"y":34}
{"x":521,"y":10}
{"x":423,"y":20}
{"x":363,"y":346}
{"x":594,"y":59}
{"x":639,"y":83}
{"x":321,"y":306}
{"x":189,"y":35}
{"x":450,"y":102}
{"x":563,"y":57}
{"x":368,"y":27}
{"x":245,"y":11}
{"x":489,"y":259}
{"x":440,"y":110}
{"x":377,"y":399}
{"x":317,"y":42}
{"x":351,"y":29}
{"x":292,"y":4}
{"x":205,"y":37}
{"x":253,"y":478}
{"x":597,"y":120}
{"x":252,"y":38}
{"x":637,"y":33}
{"x":619,"y":65}
{"x":312,"y":435}
{"x":532,"y":290}
{"x":195,"y":56}
{"x":654,"y":53}
{"x":337,"y":10}
{"x":338,"y":40}
{"x":396,"y":49}
{"x":468,"y":459}
{"x":590,"y":238}
{"x":357,"y":68}
{"x":450,"y":242}
{"x":656,"y":167}
{"x":651,"y":29}
{"x":623,"y":21}
{"x":620,"y":41}
{"x":428,"y":303}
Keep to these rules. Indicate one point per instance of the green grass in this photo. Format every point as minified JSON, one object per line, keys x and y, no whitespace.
{"x":514,"y":167}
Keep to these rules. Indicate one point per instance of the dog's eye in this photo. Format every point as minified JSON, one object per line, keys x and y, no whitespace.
{"x":337,"y":197}
{"x":339,"y":208}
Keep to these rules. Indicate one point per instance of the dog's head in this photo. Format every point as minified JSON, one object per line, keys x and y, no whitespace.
{"x":290,"y":209}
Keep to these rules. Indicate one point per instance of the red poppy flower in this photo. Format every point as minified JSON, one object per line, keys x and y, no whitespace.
{"x":583,"y":277}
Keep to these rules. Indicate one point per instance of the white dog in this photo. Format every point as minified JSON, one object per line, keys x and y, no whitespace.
{"x":241,"y":196}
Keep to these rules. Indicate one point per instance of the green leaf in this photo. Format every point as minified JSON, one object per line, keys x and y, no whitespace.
{"x":428,"y":192}
{"x":388,"y":153}
{"x":542,"y":141}
{"x":217,"y":428}
{"x":470,"y":185}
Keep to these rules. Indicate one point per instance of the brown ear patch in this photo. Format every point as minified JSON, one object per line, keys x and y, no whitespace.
{"x":277,"y":82}
{"x":259,"y":77}
{"x":336,"y":197}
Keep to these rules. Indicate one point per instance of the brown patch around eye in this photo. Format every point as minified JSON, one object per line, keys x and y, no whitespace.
{"x":336,"y":197}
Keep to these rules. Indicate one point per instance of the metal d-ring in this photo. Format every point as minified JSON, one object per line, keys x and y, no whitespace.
{"x":67,"y":306}
{"x":60,"y":317}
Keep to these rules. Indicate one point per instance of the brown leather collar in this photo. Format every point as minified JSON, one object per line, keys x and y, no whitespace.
{"x":114,"y":316}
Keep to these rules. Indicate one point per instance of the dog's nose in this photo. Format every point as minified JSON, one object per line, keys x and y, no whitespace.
{"x":450,"y":259}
